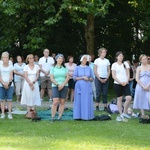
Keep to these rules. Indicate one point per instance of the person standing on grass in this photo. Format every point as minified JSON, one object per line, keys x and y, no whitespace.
{"x":59,"y":77}
{"x":19,"y":76}
{"x":121,"y":75}
{"x":71,"y":84}
{"x":142,"y":90}
{"x":91,"y":64}
{"x":45,"y":63}
{"x":102,"y":73}
{"x":6,"y":85}
{"x":83,"y":96}
{"x":132,"y":76}
{"x":30,"y":92}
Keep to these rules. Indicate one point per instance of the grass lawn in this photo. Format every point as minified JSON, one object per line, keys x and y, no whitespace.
{"x":20,"y":134}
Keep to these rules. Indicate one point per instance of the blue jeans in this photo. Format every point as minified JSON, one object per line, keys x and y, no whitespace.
{"x":101,"y":88}
{"x":6,"y":94}
{"x":131,"y":87}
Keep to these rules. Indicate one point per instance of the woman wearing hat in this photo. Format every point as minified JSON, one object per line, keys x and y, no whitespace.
{"x":83,"y":95}
{"x":59,"y":77}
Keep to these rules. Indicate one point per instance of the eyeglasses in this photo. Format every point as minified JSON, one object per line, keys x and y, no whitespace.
{"x":46,"y":60}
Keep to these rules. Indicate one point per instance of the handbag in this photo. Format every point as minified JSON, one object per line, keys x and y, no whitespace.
{"x":30,"y":114}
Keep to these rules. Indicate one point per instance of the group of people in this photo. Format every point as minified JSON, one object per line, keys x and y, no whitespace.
{"x":81,"y":82}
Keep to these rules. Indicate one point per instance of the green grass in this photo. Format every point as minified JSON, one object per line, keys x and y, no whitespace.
{"x":22,"y":134}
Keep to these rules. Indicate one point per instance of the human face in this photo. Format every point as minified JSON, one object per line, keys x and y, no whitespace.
{"x":46,"y":52}
{"x":84,"y":61}
{"x":103,"y":54}
{"x":19,"y":59}
{"x":5,"y":59}
{"x":144,"y":60}
{"x":148,"y":59}
{"x":60,"y":60}
{"x":71,"y":60}
{"x":31,"y":59}
{"x":120,"y":58}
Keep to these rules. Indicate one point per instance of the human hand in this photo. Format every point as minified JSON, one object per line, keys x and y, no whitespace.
{"x":60,"y":87}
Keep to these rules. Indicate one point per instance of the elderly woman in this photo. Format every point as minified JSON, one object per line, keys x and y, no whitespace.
{"x":59,"y":77}
{"x":6,"y":84}
{"x":83,"y":99}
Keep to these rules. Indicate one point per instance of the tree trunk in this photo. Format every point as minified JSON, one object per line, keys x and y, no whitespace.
{"x":89,"y":34}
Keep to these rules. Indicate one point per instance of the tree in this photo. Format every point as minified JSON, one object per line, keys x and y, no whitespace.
{"x":83,"y":12}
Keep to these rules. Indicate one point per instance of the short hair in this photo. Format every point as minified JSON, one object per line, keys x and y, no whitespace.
{"x":4,"y":54}
{"x":141,"y":56}
{"x":102,"y":49}
{"x":27,"y":58}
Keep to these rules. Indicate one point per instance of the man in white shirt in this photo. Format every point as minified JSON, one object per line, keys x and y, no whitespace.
{"x":45,"y":63}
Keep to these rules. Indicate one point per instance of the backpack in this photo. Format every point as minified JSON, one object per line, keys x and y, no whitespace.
{"x":113,"y":108}
{"x":145,"y":119}
{"x":102,"y":117}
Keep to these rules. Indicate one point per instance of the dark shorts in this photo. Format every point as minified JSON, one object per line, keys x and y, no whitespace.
{"x":45,"y":82}
{"x":122,"y":90}
{"x":71,"y":84}
{"x":59,"y":94}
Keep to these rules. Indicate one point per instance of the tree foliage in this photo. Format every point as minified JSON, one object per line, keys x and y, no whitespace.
{"x":70,"y":26}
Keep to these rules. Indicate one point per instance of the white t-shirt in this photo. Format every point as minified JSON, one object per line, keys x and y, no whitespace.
{"x":70,"y":68}
{"x":102,"y":67}
{"x":10,"y":62}
{"x":121,"y":73}
{"x":46,"y":64}
{"x":19,"y":69}
{"x":5,"y":73}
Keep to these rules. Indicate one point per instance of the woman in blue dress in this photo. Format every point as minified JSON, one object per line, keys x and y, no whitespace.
{"x":83,"y":96}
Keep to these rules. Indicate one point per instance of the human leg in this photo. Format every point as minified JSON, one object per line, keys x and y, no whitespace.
{"x":61,"y":107}
{"x":62,"y":96}
{"x":98,"y":92}
{"x":104,"y":91}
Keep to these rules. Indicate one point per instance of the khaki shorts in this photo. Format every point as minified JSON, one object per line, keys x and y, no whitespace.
{"x":19,"y":87}
{"x":45,"y":82}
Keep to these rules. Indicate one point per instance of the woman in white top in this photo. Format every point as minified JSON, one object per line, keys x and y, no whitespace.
{"x":102,"y":73}
{"x":30,"y":92}
{"x":6,"y":84}
{"x":120,"y":74}
{"x":19,"y":76}
{"x":71,"y":84}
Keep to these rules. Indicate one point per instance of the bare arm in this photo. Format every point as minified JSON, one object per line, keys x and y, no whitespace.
{"x":19,"y":74}
{"x":96,"y":74}
{"x":53,"y":80}
{"x":114,"y":77}
{"x":42,"y":70}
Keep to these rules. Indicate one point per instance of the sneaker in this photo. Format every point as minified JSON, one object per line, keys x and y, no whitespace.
{"x":135,"y":115}
{"x":50,"y":100}
{"x":119,"y":118}
{"x":10,"y":116}
{"x":125,"y":115}
{"x":97,"y":108}
{"x":52,"y":120}
{"x":2,"y":116}
{"x":59,"y":119}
